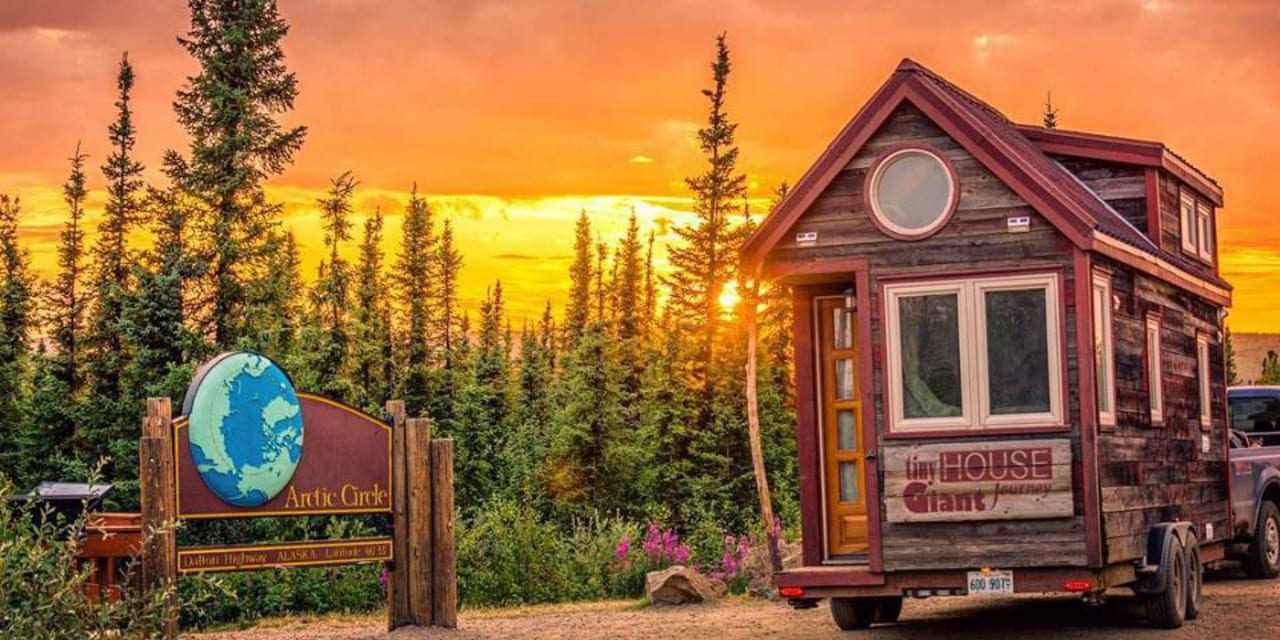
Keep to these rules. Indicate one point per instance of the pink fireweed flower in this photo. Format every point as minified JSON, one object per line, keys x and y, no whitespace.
{"x":624,"y":547}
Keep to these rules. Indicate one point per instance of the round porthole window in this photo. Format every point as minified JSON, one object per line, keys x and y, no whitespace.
{"x":912,"y":193}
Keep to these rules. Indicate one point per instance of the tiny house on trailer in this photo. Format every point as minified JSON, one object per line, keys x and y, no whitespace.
{"x":1010,"y":373}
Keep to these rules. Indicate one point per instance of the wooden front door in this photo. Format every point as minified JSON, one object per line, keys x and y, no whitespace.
{"x":842,"y":446}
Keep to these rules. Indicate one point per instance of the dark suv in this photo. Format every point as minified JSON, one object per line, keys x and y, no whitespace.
{"x":1255,"y":480}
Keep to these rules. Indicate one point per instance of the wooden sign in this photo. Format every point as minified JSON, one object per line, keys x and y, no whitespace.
{"x":345,"y":467}
{"x":1005,"y":480}
{"x":285,"y":554}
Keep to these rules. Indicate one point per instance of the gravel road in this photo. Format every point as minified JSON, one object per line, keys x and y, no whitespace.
{"x":1234,"y":608}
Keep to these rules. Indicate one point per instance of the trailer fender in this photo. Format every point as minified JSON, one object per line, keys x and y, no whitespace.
{"x":1154,"y":575}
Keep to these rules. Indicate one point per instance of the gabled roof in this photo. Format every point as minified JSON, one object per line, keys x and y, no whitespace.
{"x":1076,"y":211}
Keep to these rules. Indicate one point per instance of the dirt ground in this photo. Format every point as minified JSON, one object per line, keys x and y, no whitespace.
{"x":1234,"y":608}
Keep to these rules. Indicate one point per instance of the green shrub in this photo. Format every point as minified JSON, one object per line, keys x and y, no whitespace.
{"x":509,"y":555}
{"x":42,"y":593}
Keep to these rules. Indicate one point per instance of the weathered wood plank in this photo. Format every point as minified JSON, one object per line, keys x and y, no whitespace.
{"x":418,"y":490}
{"x":445,"y":586}
{"x":398,"y":611}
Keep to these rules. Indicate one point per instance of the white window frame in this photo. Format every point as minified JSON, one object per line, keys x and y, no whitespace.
{"x":1202,"y":375}
{"x":974,"y":374}
{"x":1187,"y":213}
{"x":1155,"y":370}
{"x":1204,"y":230}
{"x":1100,"y":295}
{"x":898,"y":421}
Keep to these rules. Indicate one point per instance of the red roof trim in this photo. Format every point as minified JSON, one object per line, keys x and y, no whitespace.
{"x":1124,"y":150}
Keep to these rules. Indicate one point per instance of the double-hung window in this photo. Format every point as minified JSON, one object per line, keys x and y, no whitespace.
{"x":1155,"y":379}
{"x":974,"y":353}
{"x":1196,"y":225}
{"x":1104,"y":364}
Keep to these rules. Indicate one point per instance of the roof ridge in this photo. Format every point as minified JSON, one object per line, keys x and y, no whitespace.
{"x":908,"y":64}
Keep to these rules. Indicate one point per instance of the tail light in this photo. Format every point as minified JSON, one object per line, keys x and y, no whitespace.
{"x":791,"y":592}
{"x":1077,"y":586}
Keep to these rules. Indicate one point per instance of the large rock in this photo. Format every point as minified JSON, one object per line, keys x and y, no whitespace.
{"x":680,"y":585}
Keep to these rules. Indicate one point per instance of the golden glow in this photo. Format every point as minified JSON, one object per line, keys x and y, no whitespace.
{"x":729,"y":298}
{"x":513,"y":116}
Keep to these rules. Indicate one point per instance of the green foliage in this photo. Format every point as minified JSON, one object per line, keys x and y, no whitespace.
{"x":1270,"y":369}
{"x":243,"y":598}
{"x":43,"y":595}
{"x":1233,"y":374}
{"x":508,"y":554}
{"x":627,"y":407}
{"x":229,"y":110}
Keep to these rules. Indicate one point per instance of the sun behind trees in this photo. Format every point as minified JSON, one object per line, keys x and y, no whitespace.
{"x":620,"y":404}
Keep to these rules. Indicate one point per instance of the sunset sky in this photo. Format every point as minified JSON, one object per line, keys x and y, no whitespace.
{"x":513,"y":116}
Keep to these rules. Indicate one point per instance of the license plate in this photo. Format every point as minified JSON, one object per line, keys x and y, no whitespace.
{"x":990,"y":583}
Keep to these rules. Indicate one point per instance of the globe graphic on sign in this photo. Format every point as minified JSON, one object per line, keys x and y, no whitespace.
{"x":245,"y":428}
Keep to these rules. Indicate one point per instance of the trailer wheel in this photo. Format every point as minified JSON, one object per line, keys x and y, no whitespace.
{"x":1195,"y":577}
{"x":888,"y":608}
{"x":851,"y":614}
{"x":1263,"y":560}
{"x":1167,"y":608}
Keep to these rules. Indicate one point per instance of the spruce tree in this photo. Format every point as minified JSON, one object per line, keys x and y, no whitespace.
{"x":16,"y":311}
{"x":1050,"y":113}
{"x":414,"y":279}
{"x":156,"y":315}
{"x":111,"y":416}
{"x":331,"y":293}
{"x":601,"y":290}
{"x":1270,"y":369}
{"x":1233,"y":374}
{"x":483,"y":422}
{"x":532,"y":412}
{"x":578,"y":310}
{"x":229,"y":109}
{"x":703,"y":261}
{"x":448,"y":268}
{"x":372,"y":341}
{"x":276,"y":307}
{"x":66,"y":306}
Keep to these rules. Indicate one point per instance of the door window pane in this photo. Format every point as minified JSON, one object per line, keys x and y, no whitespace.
{"x":846,"y":436}
{"x":848,"y":482}
{"x":930,"y":334}
{"x":1017,"y":352}
{"x":842,"y":321}
{"x":844,"y":379}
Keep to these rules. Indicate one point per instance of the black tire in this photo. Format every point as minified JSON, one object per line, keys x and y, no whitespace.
{"x":888,"y":608}
{"x":1195,"y":577}
{"x":851,"y":614}
{"x":1263,"y":560}
{"x":1168,"y":609}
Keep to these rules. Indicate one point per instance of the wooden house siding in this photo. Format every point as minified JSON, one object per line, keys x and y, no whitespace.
{"x":976,"y":239}
{"x":1122,"y":186}
{"x":1158,"y":473}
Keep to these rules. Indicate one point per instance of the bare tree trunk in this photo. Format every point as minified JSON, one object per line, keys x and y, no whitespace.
{"x":753,"y":425}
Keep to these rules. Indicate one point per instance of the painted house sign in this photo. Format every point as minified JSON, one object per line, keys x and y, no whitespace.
{"x":1006,"y":480}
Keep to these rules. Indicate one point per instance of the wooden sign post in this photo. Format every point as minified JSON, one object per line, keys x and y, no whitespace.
{"x":348,"y":462}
